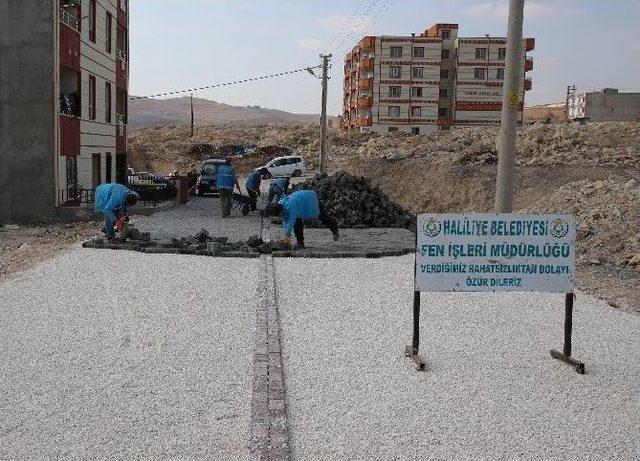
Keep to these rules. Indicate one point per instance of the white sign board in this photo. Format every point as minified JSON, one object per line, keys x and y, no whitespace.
{"x":495,"y":252}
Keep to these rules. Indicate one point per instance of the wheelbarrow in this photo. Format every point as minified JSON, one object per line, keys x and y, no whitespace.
{"x":243,"y":202}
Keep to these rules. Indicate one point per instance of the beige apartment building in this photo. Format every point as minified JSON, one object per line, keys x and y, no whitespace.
{"x":421,"y":83}
{"x":63,"y":106}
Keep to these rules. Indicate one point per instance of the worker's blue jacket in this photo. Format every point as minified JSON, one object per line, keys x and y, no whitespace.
{"x":301,"y":204}
{"x":253,"y":182}
{"x":281,"y":183}
{"x":110,"y":197}
{"x":225,"y":176}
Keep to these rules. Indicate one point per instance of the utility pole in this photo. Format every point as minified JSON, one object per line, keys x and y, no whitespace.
{"x":509,"y":116}
{"x":570,"y":90}
{"x":323,"y":114}
{"x":192,"y":115}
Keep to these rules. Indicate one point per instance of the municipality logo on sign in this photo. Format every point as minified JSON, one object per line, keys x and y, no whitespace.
{"x":431,"y":227}
{"x":559,"y":228}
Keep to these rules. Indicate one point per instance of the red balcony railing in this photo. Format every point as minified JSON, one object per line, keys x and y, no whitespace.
{"x":530,"y":44}
{"x":121,"y":70}
{"x":123,"y":10}
{"x":528,"y":64}
{"x":69,"y":47}
{"x":69,"y":139}
{"x":366,"y":63}
{"x":527,"y":84}
{"x":365,"y":83}
{"x":367,"y":42}
{"x":364,"y":121}
{"x":365,"y":101}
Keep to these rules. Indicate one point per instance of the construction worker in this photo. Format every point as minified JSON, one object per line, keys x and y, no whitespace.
{"x":277,"y":189}
{"x":225,"y":180}
{"x":253,"y":185}
{"x":112,"y":201}
{"x":301,"y":205}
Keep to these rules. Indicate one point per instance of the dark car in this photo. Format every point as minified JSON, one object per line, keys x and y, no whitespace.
{"x":206,"y":183}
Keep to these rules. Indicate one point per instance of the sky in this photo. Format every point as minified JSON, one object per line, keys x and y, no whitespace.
{"x":193,"y":43}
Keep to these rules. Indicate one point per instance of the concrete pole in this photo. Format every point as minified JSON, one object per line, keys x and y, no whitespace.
{"x":323,"y":114}
{"x":513,"y":76}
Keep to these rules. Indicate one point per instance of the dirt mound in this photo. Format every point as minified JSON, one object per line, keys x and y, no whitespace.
{"x":354,"y":201}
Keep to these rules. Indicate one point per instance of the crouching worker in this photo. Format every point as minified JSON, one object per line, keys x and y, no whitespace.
{"x":277,"y":189}
{"x":112,"y":201}
{"x":301,"y":205}
{"x":253,"y":185}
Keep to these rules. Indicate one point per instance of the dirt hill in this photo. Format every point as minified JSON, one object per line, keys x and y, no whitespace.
{"x":554,"y":112}
{"x":144,"y":113}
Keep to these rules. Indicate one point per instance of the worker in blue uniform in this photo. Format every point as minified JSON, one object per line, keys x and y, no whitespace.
{"x":298,"y":207}
{"x":253,"y":185}
{"x":277,"y":189}
{"x":112,"y":200}
{"x":225,"y":180}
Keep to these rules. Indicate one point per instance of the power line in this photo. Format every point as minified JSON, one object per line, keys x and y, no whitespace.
{"x":236,"y":82}
{"x":370,"y":9}
{"x":346,"y":24}
{"x":375,"y":19}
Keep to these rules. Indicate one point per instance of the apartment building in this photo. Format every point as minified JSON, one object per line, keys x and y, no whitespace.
{"x":63,"y":104}
{"x":421,"y":83}
{"x":606,"y":105}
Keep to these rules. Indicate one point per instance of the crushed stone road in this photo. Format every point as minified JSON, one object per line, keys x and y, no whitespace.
{"x":491,"y":389}
{"x":121,"y":355}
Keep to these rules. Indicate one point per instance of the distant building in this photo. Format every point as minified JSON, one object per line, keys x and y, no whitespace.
{"x":63,"y":105}
{"x":421,"y":83}
{"x":606,"y":105}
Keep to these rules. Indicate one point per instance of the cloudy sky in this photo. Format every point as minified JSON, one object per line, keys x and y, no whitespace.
{"x":193,"y":43}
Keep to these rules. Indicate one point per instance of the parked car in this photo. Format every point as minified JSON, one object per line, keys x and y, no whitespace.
{"x":206,"y":183}
{"x":291,"y":165}
{"x":151,"y":187}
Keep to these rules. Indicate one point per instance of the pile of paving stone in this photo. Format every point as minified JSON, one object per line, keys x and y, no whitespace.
{"x":355,"y":202}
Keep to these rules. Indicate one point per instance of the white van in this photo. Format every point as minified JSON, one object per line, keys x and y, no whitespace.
{"x":291,"y":165}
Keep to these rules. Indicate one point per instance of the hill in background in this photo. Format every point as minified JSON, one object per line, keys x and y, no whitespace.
{"x":144,"y":113}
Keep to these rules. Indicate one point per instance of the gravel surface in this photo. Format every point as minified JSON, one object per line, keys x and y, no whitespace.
{"x":119,"y":355}
{"x":491,"y":389}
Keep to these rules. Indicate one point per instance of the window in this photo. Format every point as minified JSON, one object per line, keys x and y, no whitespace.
{"x":394,"y":91}
{"x":92,"y":97}
{"x":418,"y":52}
{"x":107,"y":102}
{"x":393,"y":129}
{"x":92,"y":20}
{"x":109,"y":34}
{"x":443,"y":92}
{"x":445,"y":34}
{"x":500,"y":74}
{"x":444,"y":73}
{"x":416,"y":111}
{"x":418,"y":72}
{"x":107,"y":166}
{"x":502,"y":53}
{"x":443,"y":112}
{"x":481,"y":53}
{"x":394,"y":111}
{"x":396,"y":52}
{"x":416,"y":92}
{"x":444,"y":54}
{"x":395,"y":72}
{"x":478,"y":73}
{"x":415,"y":130}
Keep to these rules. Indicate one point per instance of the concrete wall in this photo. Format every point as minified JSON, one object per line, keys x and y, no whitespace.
{"x":600,"y":107}
{"x":27,"y":110}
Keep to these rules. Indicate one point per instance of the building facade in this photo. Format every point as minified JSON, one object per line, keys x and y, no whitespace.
{"x":606,"y":105}
{"x":420,"y":83}
{"x":64,"y":103}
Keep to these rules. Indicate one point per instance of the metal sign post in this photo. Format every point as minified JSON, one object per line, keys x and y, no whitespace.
{"x":413,"y":350}
{"x":565,"y":355}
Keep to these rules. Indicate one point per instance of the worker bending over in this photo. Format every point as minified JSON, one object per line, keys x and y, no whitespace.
{"x":112,"y":201}
{"x":225,"y":180}
{"x":301,"y":205}
{"x":277,"y":189}
{"x":253,"y":185}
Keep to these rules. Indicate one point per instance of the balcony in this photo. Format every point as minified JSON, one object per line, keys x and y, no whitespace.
{"x":364,"y":121}
{"x":69,"y":19}
{"x":367,"y":42}
{"x":69,"y":43}
{"x":365,"y":83}
{"x":530,"y":44}
{"x":366,"y":63}
{"x":123,"y":9}
{"x":528,"y":64}
{"x":121,"y":134}
{"x":69,"y":139}
{"x":527,"y":84}
{"x":365,"y":101}
{"x":121,"y":70}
